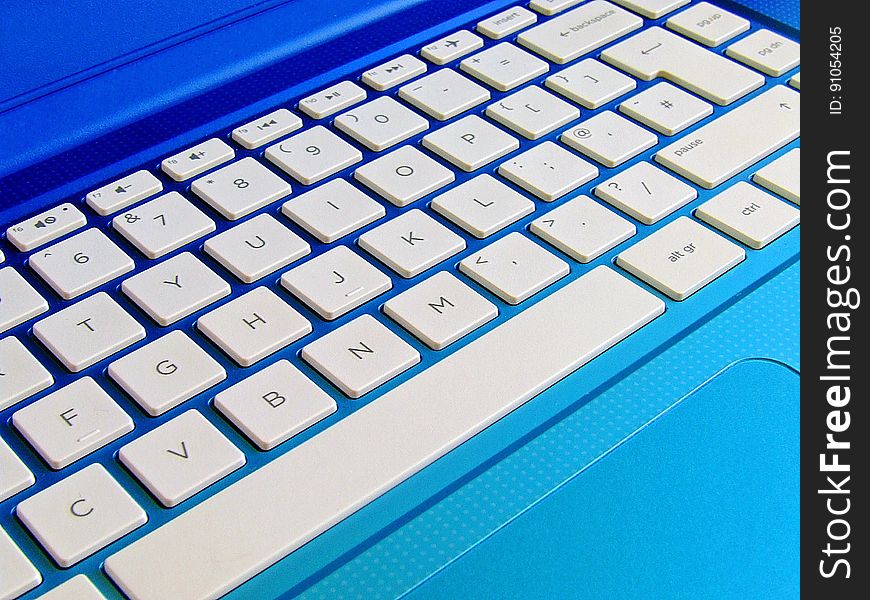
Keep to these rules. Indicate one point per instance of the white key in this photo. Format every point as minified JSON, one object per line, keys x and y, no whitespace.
{"x":715,"y":152}
{"x":240,"y":188}
{"x":81,"y":514}
{"x":506,"y":22}
{"x":166,"y":372}
{"x":666,"y":108}
{"x":72,"y":422}
{"x":374,"y":449}
{"x":590,"y":83}
{"x":551,"y":7}
{"x":193,"y":161}
{"x":360,"y":356}
{"x":392,"y":73}
{"x":440,"y":310}
{"x":404,"y":175}
{"x":332,"y":100}
{"x":124,"y":192}
{"x":14,"y":475}
{"x":181,"y":458}
{"x":45,"y":227}
{"x":2,"y":257}
{"x":21,"y":375}
{"x":253,"y":326}
{"x":81,"y":263}
{"x":749,"y":215}
{"x":87,"y":332}
{"x":582,"y":229}
{"x":381,"y":123}
{"x":580,"y":31}
{"x":19,"y":574}
{"x":504,"y":66}
{"x":313,"y":155}
{"x":19,"y":302}
{"x":77,"y":588}
{"x":680,"y":258}
{"x":548,"y":171}
{"x":256,"y":248}
{"x":336,"y":282}
{"x":795,"y":81}
{"x":609,"y":138}
{"x":411,"y":243}
{"x":470,"y":143}
{"x":162,"y":225}
{"x":444,"y":94}
{"x":333,"y":210}
{"x":532,"y":112}
{"x":646,"y":193}
{"x":483,"y":205}
{"x":267,"y":128}
{"x":652,"y":9}
{"x":514,"y":268}
{"x":274,"y":404}
{"x":656,"y":52}
{"x":451,"y":47}
{"x":708,"y":24}
{"x":783,"y":176}
{"x":767,"y":52}
{"x":176,"y":288}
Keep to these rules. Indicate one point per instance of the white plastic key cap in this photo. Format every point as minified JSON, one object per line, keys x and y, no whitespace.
{"x":166,"y":372}
{"x":404,"y":175}
{"x":181,"y":458}
{"x":45,"y":227}
{"x":715,"y":152}
{"x":162,"y":225}
{"x":645,"y":192}
{"x":193,"y":161}
{"x":708,"y":24}
{"x":506,"y":22}
{"x":411,"y":243}
{"x":504,"y":66}
{"x":274,"y":404}
{"x":580,"y":31}
{"x":656,"y":52}
{"x":783,"y":176}
{"x":81,"y":514}
{"x":652,"y":9}
{"x":336,"y":282}
{"x":681,"y":258}
{"x":253,"y":326}
{"x":19,"y":574}
{"x":451,"y":47}
{"x":590,"y":83}
{"x":256,"y":248}
{"x":795,"y":81}
{"x":333,"y":210}
{"x":609,"y":138}
{"x":14,"y":474}
{"x":240,"y":188}
{"x":551,"y":7}
{"x":360,"y":457}
{"x":77,"y":588}
{"x":87,"y":332}
{"x":514,"y":268}
{"x":483,"y":205}
{"x":548,"y":171}
{"x":124,"y":192}
{"x":767,"y":52}
{"x":381,"y":123}
{"x":313,"y":155}
{"x":332,"y":100}
{"x":72,"y":422}
{"x":444,"y":94}
{"x":666,"y":108}
{"x":582,"y":229}
{"x":749,"y":215}
{"x":360,"y":355}
{"x":21,"y":375}
{"x":440,"y":310}
{"x":470,"y":143}
{"x":532,"y":112}
{"x":269,"y":127}
{"x":81,"y":263}
{"x":19,"y":302}
{"x":394,"y":72}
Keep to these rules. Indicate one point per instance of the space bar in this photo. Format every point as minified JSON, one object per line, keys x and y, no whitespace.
{"x":229,"y":538}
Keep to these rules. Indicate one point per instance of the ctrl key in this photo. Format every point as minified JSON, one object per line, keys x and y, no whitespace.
{"x":681,"y":258}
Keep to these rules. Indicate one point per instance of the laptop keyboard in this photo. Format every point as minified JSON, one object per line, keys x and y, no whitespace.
{"x":182,"y":282}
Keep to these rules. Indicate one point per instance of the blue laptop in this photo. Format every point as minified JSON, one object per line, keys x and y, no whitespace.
{"x":399,"y":299}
